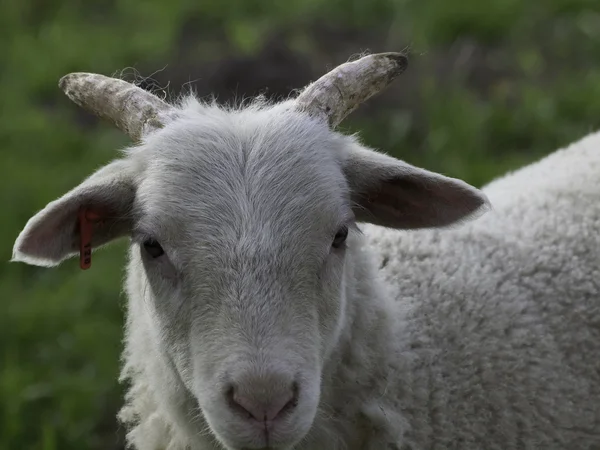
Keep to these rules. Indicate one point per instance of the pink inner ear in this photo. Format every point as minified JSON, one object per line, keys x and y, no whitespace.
{"x":419,"y":201}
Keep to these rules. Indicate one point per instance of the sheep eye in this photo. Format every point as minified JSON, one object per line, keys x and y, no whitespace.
{"x":153,"y":248}
{"x":340,"y":237}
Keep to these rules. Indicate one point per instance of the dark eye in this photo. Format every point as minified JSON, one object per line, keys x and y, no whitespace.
{"x":153,"y":248}
{"x":340,"y":237}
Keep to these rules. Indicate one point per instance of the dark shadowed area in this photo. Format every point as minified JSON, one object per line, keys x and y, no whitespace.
{"x":490,"y":86}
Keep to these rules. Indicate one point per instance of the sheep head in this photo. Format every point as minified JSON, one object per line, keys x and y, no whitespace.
{"x":244,"y":242}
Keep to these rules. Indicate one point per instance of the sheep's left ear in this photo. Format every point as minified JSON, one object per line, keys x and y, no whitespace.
{"x":53,"y":234}
{"x":388,"y":192}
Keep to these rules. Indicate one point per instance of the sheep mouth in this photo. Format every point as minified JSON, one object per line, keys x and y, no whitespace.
{"x":265,"y":448}
{"x":262,"y":448}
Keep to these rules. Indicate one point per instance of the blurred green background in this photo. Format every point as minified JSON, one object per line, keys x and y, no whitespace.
{"x":491,"y":85}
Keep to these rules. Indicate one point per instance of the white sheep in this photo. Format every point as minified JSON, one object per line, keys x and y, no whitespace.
{"x":290,"y":288}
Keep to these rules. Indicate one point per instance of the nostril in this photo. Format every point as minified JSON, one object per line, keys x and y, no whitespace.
{"x":260,"y":407}
{"x":292,"y":402}
{"x":230,"y":395}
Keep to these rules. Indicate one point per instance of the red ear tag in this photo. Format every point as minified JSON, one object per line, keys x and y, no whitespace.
{"x":87,"y":219}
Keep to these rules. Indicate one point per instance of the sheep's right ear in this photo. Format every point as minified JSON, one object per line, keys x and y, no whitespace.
{"x":389,"y":192}
{"x":53,"y":234}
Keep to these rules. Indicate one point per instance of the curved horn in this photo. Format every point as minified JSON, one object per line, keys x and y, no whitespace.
{"x":132,"y":109}
{"x":339,"y":92}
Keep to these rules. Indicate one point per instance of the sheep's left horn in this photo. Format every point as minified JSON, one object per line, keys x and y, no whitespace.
{"x":131,"y":109}
{"x":336,"y":94}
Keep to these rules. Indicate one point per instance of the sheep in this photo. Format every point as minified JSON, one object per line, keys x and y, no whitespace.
{"x":291,"y":288}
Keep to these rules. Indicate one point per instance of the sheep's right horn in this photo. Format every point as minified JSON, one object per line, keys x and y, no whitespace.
{"x":339,"y":92}
{"x":131,"y":109}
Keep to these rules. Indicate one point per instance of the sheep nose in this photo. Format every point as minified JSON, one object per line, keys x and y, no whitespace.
{"x":263,"y":400}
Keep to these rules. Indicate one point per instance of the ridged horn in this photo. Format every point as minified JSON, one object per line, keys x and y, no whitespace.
{"x":131,"y":109}
{"x":339,"y":92}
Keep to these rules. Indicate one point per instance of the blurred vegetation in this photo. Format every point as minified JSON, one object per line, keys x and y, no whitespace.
{"x":490,"y":86}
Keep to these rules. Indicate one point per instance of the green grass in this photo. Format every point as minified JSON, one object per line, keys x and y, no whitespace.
{"x":60,"y":329}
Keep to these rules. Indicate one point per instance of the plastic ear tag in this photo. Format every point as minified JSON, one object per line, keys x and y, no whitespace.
{"x":87,"y":219}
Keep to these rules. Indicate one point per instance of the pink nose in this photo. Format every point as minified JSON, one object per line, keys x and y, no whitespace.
{"x":263,"y":402}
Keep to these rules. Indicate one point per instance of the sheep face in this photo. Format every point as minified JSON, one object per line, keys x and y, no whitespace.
{"x":242,"y":227}
{"x":242,"y":233}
